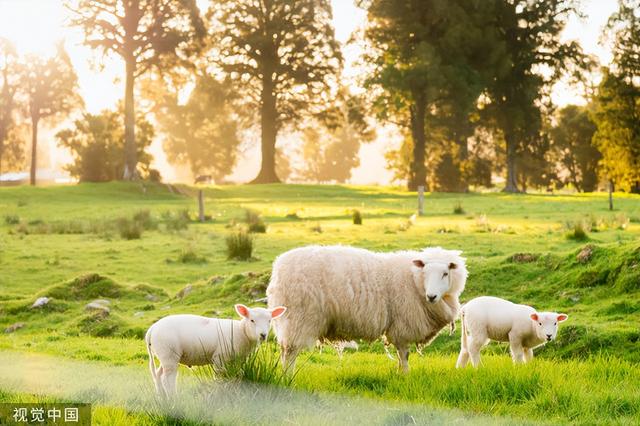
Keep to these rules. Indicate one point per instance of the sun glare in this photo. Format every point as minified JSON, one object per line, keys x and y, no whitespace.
{"x":33,"y":26}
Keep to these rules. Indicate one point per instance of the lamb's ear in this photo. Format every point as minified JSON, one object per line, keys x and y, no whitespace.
{"x":534,"y":316}
{"x":277,"y":312}
{"x":242,"y":310}
{"x":419,"y":263}
{"x":563,"y":317}
{"x":452,"y":265}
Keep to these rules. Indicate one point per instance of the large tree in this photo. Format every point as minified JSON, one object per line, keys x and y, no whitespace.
{"x":285,"y":53}
{"x":204,"y":132}
{"x":96,"y":142}
{"x":51,"y":86}
{"x":145,"y":34}
{"x":572,"y":142}
{"x":624,"y":28}
{"x":537,"y":57}
{"x":10,"y":70}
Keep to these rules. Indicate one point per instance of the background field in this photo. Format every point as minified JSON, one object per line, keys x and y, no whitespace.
{"x":65,"y":242}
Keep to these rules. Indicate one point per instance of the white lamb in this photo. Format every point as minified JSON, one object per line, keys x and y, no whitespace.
{"x":347,"y":293}
{"x":196,"y":340}
{"x":490,"y":318}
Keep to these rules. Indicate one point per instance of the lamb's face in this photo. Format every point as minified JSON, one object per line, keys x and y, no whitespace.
{"x":258,"y":320}
{"x":546,"y":324}
{"x":437,"y":278}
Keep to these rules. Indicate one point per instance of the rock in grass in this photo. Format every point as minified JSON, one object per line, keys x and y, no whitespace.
{"x":585,"y":254}
{"x":103,"y":302}
{"x":93,"y":306}
{"x":184,"y":292}
{"x":151,"y":297}
{"x":14,"y":327}
{"x":40,"y":302}
{"x":138,"y":314}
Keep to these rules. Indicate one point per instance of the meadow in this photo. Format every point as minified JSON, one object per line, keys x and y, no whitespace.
{"x":141,"y":248}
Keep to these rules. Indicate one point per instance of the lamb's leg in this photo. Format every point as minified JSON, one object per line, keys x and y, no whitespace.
{"x":157,"y":381}
{"x":517,"y":351}
{"x":476,"y":342}
{"x":403,"y":358}
{"x":528,"y":354}
{"x":463,"y":358}
{"x":169,"y":379}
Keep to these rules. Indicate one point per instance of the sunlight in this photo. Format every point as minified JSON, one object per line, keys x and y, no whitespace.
{"x":32,"y":33}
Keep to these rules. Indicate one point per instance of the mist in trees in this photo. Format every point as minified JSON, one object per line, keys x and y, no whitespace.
{"x":11,"y":148}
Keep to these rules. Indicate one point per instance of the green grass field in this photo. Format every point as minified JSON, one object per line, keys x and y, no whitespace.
{"x":65,"y":242}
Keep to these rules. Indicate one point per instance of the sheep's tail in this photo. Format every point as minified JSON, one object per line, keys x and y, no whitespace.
{"x":152,"y":364}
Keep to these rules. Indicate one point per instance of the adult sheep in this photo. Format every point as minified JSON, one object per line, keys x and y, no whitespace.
{"x":347,"y":293}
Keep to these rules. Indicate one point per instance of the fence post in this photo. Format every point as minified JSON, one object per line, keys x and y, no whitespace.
{"x":420,"y":200}
{"x":201,"y":205}
{"x":610,"y":195}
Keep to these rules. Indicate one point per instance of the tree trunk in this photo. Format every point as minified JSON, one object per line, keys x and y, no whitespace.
{"x":511,"y":184}
{"x":463,"y":157}
{"x":418,"y":170}
{"x":130,"y":152}
{"x":34,"y":149}
{"x":269,"y":130}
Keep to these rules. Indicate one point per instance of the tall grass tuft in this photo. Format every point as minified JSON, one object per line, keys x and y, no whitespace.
{"x":457,"y":208}
{"x":176,"y":221}
{"x":254,"y":221}
{"x":239,"y":245}
{"x":129,"y":229}
{"x":356,"y":217}
{"x":12,"y":219}
{"x":577,"y":232}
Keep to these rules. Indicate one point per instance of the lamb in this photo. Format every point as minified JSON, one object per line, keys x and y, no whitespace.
{"x":195,"y":340}
{"x":490,"y":318}
{"x":347,"y":293}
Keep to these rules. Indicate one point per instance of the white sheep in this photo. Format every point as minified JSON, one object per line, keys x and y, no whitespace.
{"x":490,"y":318}
{"x":196,"y":340}
{"x":346,"y":293}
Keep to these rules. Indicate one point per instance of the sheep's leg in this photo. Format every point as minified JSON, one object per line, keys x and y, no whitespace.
{"x":403,"y":358}
{"x":517,"y":351}
{"x":475,"y":344}
{"x":169,"y":379}
{"x":288,"y":355}
{"x":157,"y":381}
{"x":528,"y":354}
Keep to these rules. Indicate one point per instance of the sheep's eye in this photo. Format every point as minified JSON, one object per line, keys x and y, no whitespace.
{"x":252,"y":321}
{"x":555,"y":323}
{"x":540,"y":323}
{"x":445,"y":274}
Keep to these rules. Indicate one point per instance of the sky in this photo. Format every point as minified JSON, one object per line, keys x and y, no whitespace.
{"x":35,"y":25}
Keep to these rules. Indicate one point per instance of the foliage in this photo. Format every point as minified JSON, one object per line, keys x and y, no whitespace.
{"x":239,"y":245}
{"x":255,"y":222}
{"x":11,"y":145}
{"x":145,"y":34}
{"x":572,"y":145}
{"x":284,"y":54}
{"x":356,"y":217}
{"x":97,"y":143}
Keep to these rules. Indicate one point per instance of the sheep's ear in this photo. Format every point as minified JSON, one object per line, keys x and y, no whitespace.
{"x":277,"y":312}
{"x":534,"y":316}
{"x":242,"y":310}
{"x":563,"y":317}
{"x":452,"y":265}
{"x":419,"y":263}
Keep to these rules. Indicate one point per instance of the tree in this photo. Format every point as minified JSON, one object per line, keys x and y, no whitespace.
{"x":617,"y":118}
{"x":10,"y":70}
{"x":284,"y":53}
{"x":97,"y":144}
{"x":331,"y":143}
{"x":531,"y":35}
{"x":51,"y":85}
{"x":145,"y":34}
{"x":204,"y":132}
{"x":624,"y":25}
{"x":572,"y":136}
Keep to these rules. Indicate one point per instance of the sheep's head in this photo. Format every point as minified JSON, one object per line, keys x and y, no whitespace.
{"x":437,"y":278}
{"x":545,"y":324}
{"x":258,"y":320}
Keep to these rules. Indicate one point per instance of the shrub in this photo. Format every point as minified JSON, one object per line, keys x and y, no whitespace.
{"x":457,"y":208}
{"x":356,"y":217}
{"x":239,"y":245}
{"x":255,"y":222}
{"x":577,"y":232}
{"x":129,"y":229}
{"x":11,"y":219}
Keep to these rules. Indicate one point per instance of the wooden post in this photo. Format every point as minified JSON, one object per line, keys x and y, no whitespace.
{"x":420,"y":200}
{"x":201,"y":205}
{"x":610,"y":195}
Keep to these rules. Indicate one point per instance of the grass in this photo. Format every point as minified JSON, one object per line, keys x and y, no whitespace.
{"x":515,"y":247}
{"x":239,"y":245}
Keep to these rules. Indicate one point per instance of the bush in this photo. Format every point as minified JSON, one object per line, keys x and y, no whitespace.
{"x":255,"y":222}
{"x":457,"y":208}
{"x":239,"y":245}
{"x":577,"y":232}
{"x":11,"y":219}
{"x":129,"y":229}
{"x":356,"y":217}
